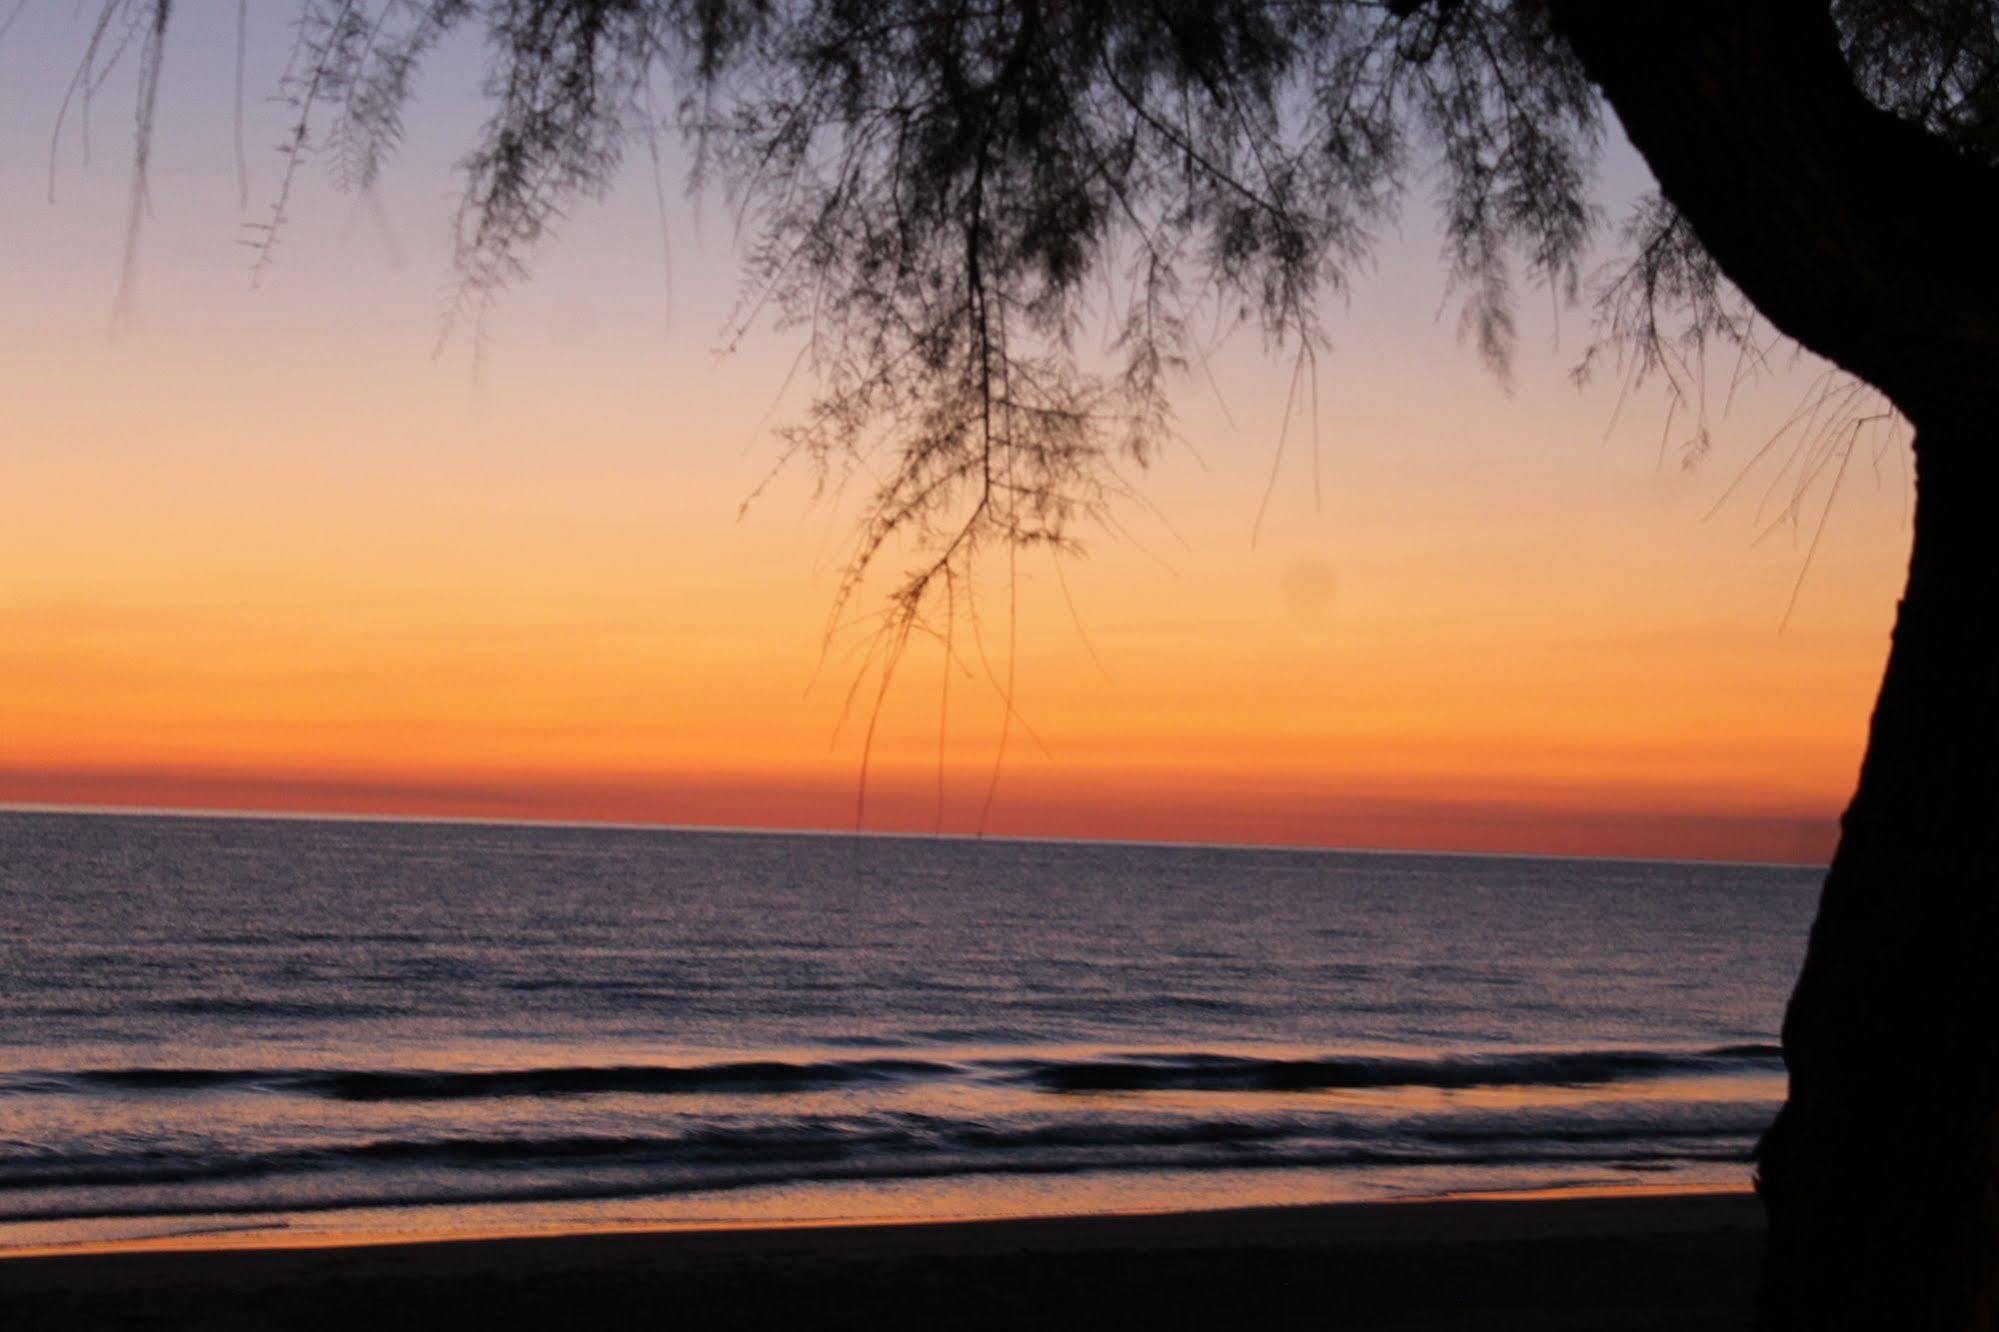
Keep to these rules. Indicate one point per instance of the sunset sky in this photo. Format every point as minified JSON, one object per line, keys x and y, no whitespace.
{"x":264,"y":550}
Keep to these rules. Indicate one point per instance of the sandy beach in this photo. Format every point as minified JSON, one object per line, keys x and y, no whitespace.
{"x":1606,"y":1263}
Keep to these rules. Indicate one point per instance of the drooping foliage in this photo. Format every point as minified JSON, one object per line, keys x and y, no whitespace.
{"x":948,"y":197}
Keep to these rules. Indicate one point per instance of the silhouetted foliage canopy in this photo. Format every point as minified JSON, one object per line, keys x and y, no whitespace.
{"x":941,"y":193}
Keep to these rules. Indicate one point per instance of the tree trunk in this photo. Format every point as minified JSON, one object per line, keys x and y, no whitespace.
{"x":1873,"y":245}
{"x":1881,"y":1175}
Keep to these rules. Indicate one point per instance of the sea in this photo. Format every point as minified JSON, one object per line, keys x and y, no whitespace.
{"x":243,"y":1029}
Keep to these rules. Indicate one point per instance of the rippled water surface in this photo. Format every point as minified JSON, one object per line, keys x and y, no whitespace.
{"x":238,"y":1024}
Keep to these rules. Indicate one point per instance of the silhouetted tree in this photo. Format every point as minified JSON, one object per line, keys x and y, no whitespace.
{"x":932,"y":186}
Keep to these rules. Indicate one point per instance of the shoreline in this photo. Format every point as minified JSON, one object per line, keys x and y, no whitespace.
{"x":1642,"y":1259}
{"x":223,"y":1238}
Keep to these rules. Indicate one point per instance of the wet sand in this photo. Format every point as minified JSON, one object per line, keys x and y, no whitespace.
{"x":1669,"y":1261}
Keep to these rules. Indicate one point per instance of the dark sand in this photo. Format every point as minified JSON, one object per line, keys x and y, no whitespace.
{"x":1606,"y":1264}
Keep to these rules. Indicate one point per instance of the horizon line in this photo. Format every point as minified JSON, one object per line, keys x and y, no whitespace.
{"x":752,"y":830}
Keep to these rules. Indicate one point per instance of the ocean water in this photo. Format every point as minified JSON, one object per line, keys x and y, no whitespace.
{"x":226,"y":1026}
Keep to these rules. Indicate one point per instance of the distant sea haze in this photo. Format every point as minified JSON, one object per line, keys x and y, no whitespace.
{"x":217,"y":1025}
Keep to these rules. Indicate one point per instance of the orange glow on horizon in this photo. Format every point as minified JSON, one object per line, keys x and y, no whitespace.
{"x":266,"y":553}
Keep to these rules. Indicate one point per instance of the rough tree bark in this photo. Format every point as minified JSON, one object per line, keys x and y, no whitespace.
{"x":1877,"y":247}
